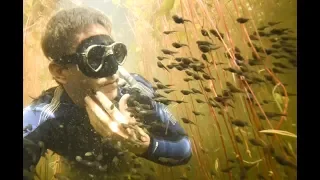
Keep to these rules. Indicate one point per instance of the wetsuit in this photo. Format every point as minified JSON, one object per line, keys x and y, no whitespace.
{"x":64,"y":128}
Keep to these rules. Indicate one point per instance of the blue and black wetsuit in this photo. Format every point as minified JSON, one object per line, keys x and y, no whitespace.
{"x":64,"y":128}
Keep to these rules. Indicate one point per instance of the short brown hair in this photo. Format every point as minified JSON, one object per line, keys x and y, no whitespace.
{"x":61,"y":30}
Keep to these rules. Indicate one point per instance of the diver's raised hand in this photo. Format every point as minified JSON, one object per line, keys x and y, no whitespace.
{"x":116,"y":124}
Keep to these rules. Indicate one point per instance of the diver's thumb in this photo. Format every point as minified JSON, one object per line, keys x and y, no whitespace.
{"x":123,"y":103}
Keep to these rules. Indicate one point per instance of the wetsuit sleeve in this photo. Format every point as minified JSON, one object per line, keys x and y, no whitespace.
{"x":142,"y":80}
{"x":169,"y":151}
{"x":32,"y":139}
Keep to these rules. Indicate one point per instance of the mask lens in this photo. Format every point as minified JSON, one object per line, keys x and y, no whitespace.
{"x":120,"y":52}
{"x":95,"y":57}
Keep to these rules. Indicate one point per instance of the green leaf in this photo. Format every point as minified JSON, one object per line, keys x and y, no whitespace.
{"x":280,"y":132}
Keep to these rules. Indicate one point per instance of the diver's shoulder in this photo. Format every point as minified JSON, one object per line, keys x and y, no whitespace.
{"x":41,"y":108}
{"x":44,"y":98}
{"x":141,"y":79}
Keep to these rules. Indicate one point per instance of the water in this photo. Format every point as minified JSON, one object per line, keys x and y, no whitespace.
{"x":213,"y":140}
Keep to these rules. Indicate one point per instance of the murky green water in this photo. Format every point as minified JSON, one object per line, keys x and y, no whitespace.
{"x":214,"y":138}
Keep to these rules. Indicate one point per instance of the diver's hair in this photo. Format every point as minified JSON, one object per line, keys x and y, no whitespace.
{"x":62,"y":29}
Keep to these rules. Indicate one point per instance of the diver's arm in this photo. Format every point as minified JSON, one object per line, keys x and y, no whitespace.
{"x":32,"y":136}
{"x":167,"y":151}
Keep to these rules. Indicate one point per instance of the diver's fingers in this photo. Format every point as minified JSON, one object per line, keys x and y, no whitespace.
{"x":100,"y":120}
{"x":122,"y":82}
{"x":123,"y":103}
{"x":99,"y":126}
{"x":132,"y":134}
{"x":110,"y":108}
{"x":144,"y":135}
{"x":99,"y":113}
{"x":123,"y":108}
{"x":114,"y":126}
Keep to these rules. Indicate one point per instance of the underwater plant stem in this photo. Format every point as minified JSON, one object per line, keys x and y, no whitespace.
{"x":255,"y":29}
{"x":215,"y":66}
{"x":249,"y":40}
{"x":192,"y":17}
{"x":228,"y":35}
{"x":219,"y":10}
{"x":263,"y":48}
{"x":25,"y":37}
{"x":172,"y":174}
{"x":235,"y":146}
{"x":266,"y":68}
{"x":221,"y":14}
{"x":246,"y":33}
{"x":170,"y":80}
{"x":194,"y":149}
{"x":215,"y":28}
{"x":256,"y":100}
{"x":254,"y":120}
{"x":211,"y":53}
{"x":236,"y":26}
{"x":213,"y":135}
{"x":253,"y":111}
{"x":190,"y":7}
{"x":220,"y":135}
{"x":218,"y":127}
{"x":198,"y":130}
{"x":35,"y":23}
{"x":185,"y":29}
{"x":273,"y":94}
{"x":212,"y":81}
{"x":246,"y":144}
{"x":279,"y":83}
{"x":137,"y":40}
{"x":267,"y":163}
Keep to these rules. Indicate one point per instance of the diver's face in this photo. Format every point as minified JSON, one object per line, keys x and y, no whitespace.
{"x":83,"y":85}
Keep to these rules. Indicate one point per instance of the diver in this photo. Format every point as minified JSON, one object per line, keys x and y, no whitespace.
{"x":81,"y":119}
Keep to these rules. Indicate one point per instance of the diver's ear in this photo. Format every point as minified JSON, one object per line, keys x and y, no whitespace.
{"x":58,"y":72}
